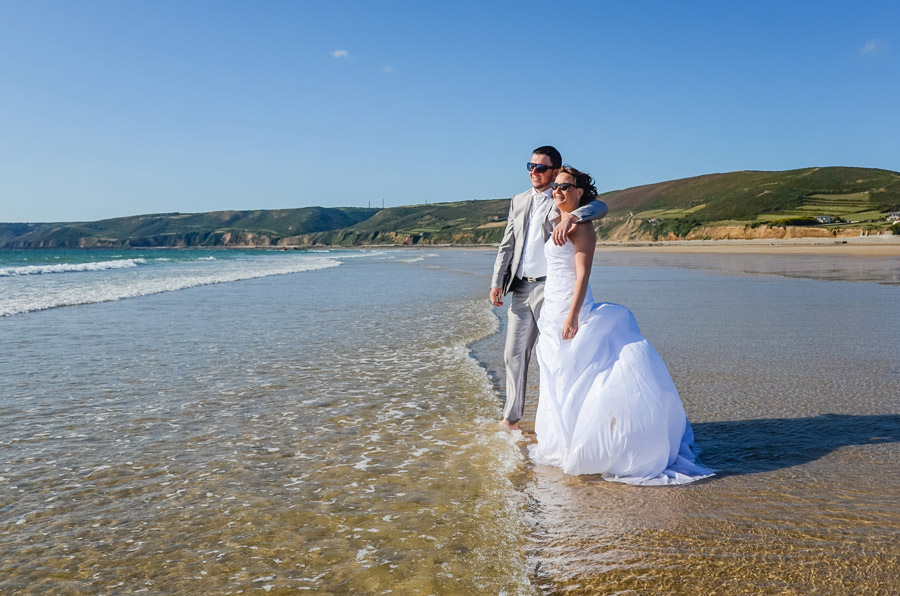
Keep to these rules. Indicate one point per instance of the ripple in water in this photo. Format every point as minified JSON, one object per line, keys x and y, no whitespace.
{"x":286,"y":441}
{"x":327,"y":432}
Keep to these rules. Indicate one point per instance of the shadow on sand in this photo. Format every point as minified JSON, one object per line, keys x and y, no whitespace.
{"x":749,"y":446}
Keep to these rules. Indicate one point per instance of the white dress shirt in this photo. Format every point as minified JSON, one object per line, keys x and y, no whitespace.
{"x":533,"y":263}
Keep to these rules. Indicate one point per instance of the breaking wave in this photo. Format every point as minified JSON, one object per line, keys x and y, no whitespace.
{"x":70,"y":267}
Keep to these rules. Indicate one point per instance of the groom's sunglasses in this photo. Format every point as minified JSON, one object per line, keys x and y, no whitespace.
{"x":562,"y":186}
{"x":538,"y":167}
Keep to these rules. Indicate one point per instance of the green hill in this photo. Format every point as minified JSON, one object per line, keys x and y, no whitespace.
{"x":446,"y":223}
{"x":466,"y":222}
{"x":11,"y":231}
{"x":850,"y":197}
{"x":218,"y":228}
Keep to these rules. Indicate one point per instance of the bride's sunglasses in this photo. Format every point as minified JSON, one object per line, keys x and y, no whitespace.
{"x":562,"y":186}
{"x":538,"y":167}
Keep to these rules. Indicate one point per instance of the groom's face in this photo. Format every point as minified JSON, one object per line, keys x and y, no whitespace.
{"x":541,"y":180}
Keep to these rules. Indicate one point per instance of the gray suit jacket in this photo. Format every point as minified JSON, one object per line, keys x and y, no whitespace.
{"x":510,"y":252}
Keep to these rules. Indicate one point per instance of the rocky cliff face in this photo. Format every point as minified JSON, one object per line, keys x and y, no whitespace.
{"x":764,"y":232}
{"x":628,"y":230}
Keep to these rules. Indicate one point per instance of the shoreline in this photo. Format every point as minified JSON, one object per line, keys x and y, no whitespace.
{"x":861,"y":246}
{"x":864,"y":246}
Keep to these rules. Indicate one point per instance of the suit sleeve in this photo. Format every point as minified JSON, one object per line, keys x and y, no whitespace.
{"x":593,"y":210}
{"x":505,"y":251}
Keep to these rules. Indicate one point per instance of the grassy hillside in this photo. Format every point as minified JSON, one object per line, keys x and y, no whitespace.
{"x":852,"y":197}
{"x":11,"y":231}
{"x":177,"y":229}
{"x":849,"y":196}
{"x":747,"y":195}
{"x":467,"y":222}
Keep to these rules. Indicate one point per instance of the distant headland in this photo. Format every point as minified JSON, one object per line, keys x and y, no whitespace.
{"x":806,"y":203}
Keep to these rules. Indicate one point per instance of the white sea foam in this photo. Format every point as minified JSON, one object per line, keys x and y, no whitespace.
{"x":70,"y":267}
{"x":358,"y":255}
{"x":37,"y":295}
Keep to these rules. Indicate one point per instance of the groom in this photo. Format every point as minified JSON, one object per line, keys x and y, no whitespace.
{"x":521,"y":269}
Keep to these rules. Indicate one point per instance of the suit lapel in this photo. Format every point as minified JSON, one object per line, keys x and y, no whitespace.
{"x":526,"y":213}
{"x":520,"y":225}
{"x":522,"y":221}
{"x":546,"y":225}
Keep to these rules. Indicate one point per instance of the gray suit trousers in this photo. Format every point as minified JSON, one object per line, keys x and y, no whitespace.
{"x":521,"y":335}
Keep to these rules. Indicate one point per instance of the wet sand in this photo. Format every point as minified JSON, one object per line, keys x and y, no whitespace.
{"x":864,"y":246}
{"x":789,"y":385}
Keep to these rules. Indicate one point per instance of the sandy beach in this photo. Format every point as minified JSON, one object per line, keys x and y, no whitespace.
{"x":863,"y":246}
{"x":230,"y":441}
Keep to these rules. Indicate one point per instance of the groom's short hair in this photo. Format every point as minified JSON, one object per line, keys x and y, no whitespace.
{"x":551,"y":152}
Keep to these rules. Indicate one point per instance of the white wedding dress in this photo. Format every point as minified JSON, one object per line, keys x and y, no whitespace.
{"x":607,"y":403}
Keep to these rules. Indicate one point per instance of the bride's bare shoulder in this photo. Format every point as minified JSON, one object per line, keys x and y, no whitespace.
{"x":583,"y":236}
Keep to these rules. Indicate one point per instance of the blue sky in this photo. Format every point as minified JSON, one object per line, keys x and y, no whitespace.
{"x":112,"y":108}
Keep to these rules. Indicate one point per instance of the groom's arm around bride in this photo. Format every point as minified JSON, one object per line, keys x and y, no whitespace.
{"x":520,"y":268}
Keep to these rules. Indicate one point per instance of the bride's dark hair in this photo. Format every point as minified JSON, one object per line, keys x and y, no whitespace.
{"x":583,"y":181}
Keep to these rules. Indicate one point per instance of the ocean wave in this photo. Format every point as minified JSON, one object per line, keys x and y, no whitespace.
{"x":109,"y":290}
{"x":359,"y":255}
{"x":70,"y":267}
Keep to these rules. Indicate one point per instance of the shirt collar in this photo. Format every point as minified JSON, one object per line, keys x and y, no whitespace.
{"x":538,"y":194}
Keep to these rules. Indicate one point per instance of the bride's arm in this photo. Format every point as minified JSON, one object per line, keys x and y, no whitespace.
{"x":584,"y":240}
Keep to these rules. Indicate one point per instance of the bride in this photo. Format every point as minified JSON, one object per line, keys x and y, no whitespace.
{"x":607,"y":403}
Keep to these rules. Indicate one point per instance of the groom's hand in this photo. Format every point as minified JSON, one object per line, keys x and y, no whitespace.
{"x":496,"y":296}
{"x":564,"y":227}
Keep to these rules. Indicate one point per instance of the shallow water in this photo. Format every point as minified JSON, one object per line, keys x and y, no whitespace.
{"x":327,"y":431}
{"x":792,"y":389}
{"x":321,"y":431}
{"x":835,"y":267}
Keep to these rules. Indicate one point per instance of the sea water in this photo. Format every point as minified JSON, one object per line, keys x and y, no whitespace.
{"x":216,"y":422}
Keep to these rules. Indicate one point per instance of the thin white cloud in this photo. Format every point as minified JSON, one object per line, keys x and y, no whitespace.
{"x":388,"y":69}
{"x":340,"y":53}
{"x":872,"y":46}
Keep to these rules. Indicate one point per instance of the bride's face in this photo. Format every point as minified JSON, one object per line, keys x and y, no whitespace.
{"x":566,"y":195}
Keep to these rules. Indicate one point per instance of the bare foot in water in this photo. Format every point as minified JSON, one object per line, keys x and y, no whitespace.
{"x":505,"y":424}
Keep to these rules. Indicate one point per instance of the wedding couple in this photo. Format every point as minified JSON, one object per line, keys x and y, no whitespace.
{"x":607,"y":404}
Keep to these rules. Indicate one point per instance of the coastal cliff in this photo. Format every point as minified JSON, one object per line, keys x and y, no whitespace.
{"x":629,"y":231}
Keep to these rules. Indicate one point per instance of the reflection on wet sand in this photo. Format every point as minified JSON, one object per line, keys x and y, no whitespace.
{"x":841,"y":264}
{"x":790,"y":386}
{"x":774,"y":521}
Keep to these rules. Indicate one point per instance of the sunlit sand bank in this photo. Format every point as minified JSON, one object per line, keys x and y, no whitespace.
{"x":864,"y":246}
